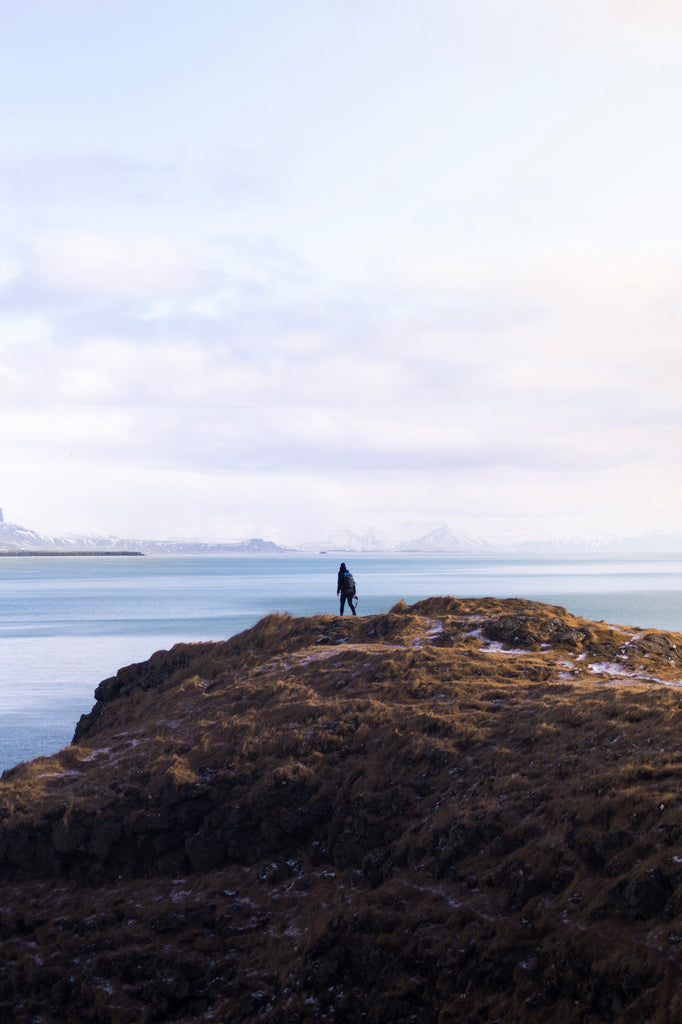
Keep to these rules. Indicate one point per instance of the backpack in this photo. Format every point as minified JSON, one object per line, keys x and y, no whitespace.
{"x":348,"y":584}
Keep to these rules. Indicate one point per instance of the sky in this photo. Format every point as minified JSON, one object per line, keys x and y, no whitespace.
{"x":284,"y":268}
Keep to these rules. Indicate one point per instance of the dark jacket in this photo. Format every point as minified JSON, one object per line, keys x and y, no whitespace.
{"x":343,"y":586}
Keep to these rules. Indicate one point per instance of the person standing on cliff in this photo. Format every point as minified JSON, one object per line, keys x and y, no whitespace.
{"x":345,"y":588}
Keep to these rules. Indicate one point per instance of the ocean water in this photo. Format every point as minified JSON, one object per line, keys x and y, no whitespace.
{"x":66,"y":623}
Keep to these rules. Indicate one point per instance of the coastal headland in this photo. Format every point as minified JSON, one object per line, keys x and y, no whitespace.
{"x":461,"y":810}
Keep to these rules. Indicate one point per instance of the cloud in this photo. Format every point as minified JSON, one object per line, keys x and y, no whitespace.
{"x":61,"y":431}
{"x":649,"y":12}
{"x":565,"y":390}
{"x":49,"y":179}
{"x":30,"y":331}
{"x":654,"y":13}
{"x":642,"y":32}
{"x":148,"y":267}
{"x":415,"y":280}
{"x":97,"y":179}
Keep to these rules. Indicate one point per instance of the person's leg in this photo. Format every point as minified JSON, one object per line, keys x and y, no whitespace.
{"x":343,"y":601}
{"x":352,"y":606}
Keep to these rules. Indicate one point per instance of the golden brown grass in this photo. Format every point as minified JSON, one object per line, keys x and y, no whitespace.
{"x":462,"y":810}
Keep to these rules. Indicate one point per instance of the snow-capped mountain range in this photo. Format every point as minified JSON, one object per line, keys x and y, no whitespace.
{"x":18,"y":538}
{"x":436,"y":538}
{"x":410,"y":537}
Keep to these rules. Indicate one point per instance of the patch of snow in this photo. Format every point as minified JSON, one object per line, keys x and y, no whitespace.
{"x":180,"y":894}
{"x":321,"y":655}
{"x":93,"y":755}
{"x":493,"y":645}
{"x":609,"y":668}
{"x":436,"y":628}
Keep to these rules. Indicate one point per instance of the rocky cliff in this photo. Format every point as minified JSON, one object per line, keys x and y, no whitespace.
{"x":459,"y":811}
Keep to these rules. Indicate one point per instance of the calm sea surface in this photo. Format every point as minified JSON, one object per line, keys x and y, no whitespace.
{"x":68,"y":622}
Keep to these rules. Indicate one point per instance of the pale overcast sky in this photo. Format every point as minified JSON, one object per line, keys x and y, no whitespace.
{"x":286,"y":268}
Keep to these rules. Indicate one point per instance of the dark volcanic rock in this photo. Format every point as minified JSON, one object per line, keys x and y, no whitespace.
{"x":532,"y":630}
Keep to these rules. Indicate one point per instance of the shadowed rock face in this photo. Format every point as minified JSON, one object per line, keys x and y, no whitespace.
{"x":460,"y":810}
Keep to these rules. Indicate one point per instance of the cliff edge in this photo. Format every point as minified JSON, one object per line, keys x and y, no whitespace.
{"x":462,"y":810}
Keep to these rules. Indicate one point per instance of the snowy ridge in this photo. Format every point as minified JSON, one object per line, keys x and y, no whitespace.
{"x":18,"y":538}
{"x":438,"y":537}
{"x":406,"y":538}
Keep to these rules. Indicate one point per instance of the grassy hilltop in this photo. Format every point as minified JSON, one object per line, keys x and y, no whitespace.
{"x":460,"y":811}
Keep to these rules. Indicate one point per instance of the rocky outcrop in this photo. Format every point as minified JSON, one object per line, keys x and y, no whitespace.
{"x":458,"y":810}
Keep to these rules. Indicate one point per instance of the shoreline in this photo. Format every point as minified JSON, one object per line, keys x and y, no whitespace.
{"x":80,"y":554}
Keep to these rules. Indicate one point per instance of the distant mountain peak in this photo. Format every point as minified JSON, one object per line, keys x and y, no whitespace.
{"x":18,"y":538}
{"x":435,"y":538}
{"x":443,"y":539}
